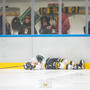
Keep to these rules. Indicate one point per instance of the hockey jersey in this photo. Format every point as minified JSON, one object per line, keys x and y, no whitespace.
{"x":38,"y":65}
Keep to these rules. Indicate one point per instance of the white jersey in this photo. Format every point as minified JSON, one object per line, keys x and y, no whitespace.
{"x":38,"y":65}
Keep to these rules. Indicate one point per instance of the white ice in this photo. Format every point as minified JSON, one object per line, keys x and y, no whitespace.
{"x":36,"y":80}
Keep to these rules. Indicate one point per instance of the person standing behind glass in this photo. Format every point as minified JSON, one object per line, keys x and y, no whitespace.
{"x":26,"y":26}
{"x":8,"y":27}
{"x":46,"y":28}
{"x":65,"y":24}
{"x":88,"y":28}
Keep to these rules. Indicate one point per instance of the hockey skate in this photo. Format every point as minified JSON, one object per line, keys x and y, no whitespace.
{"x":82,"y":64}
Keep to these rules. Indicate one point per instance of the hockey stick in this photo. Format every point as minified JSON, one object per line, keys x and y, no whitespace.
{"x":11,"y":67}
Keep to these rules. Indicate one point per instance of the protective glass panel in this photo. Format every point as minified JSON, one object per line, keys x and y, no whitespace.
{"x":46,"y":16}
{"x":18,"y":17}
{"x":73,"y":16}
{"x":0,"y":17}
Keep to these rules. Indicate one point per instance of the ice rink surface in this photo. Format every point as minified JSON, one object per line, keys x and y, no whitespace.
{"x":44,"y":79}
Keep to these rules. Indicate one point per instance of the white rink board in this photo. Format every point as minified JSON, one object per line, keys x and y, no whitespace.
{"x":22,"y":49}
{"x":73,"y":48}
{"x":35,"y":79}
{"x":15,"y":49}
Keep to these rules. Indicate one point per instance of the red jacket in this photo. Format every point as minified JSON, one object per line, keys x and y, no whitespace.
{"x":65,"y":24}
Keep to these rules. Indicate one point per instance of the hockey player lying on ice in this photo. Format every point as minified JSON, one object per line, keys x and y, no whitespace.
{"x":41,"y":63}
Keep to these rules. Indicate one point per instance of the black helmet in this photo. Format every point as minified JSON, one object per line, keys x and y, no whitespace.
{"x":39,"y":58}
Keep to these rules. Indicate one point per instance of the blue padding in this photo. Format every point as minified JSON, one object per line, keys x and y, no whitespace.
{"x":49,"y":35}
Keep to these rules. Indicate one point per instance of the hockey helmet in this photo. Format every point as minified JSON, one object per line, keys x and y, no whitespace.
{"x":39,"y":58}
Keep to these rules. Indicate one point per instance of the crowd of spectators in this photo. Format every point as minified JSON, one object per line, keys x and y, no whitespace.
{"x":45,"y":28}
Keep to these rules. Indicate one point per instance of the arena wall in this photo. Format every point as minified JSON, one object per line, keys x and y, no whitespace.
{"x":23,"y":49}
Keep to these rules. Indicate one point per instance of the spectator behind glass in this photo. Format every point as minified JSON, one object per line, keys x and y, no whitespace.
{"x":26,"y":26}
{"x":65,"y":24}
{"x":88,"y":28}
{"x":8,"y":30}
{"x":46,"y":28}
{"x":0,"y":24}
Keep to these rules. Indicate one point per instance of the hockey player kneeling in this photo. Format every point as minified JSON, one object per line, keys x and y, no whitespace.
{"x":41,"y":63}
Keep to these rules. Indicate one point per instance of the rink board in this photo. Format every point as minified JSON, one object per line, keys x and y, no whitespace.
{"x":15,"y":50}
{"x":23,"y":49}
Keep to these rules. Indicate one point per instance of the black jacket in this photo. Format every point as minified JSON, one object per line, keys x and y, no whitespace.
{"x":0,"y":24}
{"x":8,"y":30}
{"x":43,"y":30}
{"x":16,"y":24}
{"x":88,"y":28}
{"x":26,"y":26}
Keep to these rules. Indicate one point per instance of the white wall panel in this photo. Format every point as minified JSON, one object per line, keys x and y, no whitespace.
{"x":22,"y":49}
{"x":15,"y":49}
{"x":73,"y":48}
